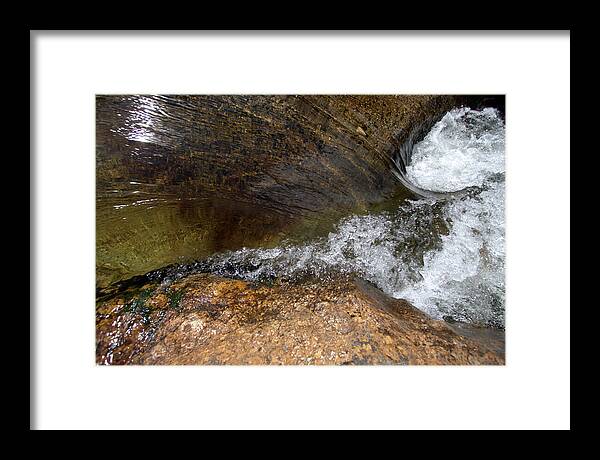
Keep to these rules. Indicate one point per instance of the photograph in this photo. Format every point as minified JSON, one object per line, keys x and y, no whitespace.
{"x":300,"y":229}
{"x":305,"y":229}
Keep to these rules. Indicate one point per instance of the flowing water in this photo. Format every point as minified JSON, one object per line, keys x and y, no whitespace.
{"x":446,"y":256}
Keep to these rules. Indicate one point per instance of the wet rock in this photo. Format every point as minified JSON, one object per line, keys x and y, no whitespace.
{"x":182,"y":177}
{"x":205,"y":319}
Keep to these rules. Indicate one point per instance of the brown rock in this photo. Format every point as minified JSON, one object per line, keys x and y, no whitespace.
{"x":204,"y":319}
{"x":182,"y":177}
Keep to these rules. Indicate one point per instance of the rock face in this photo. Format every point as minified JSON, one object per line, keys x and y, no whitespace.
{"x":297,"y":154}
{"x":204,"y":319}
{"x":181,"y":177}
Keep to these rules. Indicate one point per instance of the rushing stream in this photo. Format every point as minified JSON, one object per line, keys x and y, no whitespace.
{"x":445,"y":253}
{"x":446,"y":256}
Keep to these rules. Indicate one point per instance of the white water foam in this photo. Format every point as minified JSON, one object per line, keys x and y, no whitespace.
{"x":464,"y":277}
{"x":445,"y":257}
{"x":462,"y":150}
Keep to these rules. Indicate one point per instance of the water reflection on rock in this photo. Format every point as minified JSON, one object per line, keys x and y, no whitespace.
{"x":181,"y":176}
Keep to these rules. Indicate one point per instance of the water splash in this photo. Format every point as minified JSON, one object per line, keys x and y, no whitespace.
{"x":463,"y":149}
{"x":445,"y":257}
{"x":464,"y":277}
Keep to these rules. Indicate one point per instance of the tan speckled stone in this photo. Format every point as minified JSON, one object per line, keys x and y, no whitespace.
{"x":223,"y":321}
